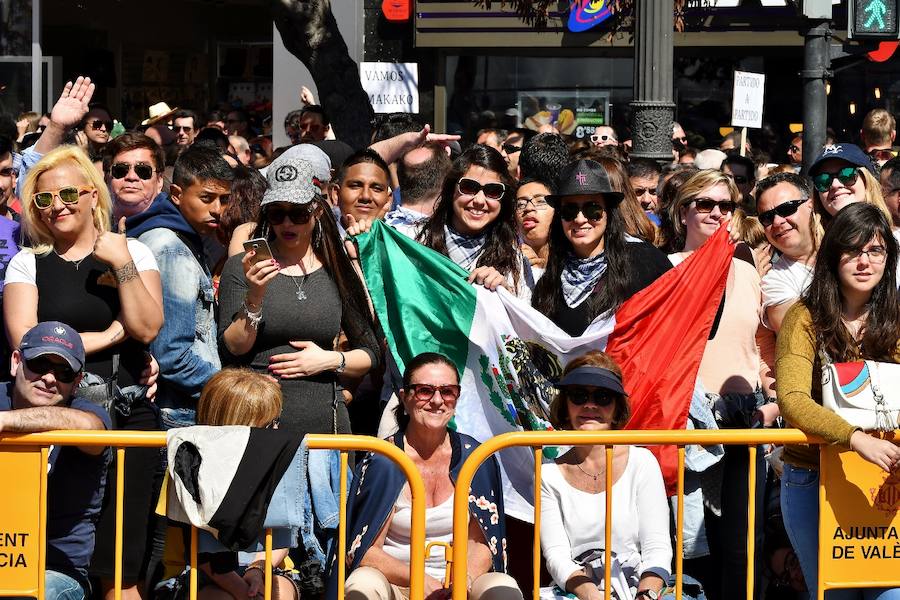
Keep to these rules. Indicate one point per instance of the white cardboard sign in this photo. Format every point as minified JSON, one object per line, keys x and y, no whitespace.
{"x":392,"y":87}
{"x":747,"y":100}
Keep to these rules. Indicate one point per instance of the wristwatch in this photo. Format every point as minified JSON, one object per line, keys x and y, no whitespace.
{"x":649,"y":594}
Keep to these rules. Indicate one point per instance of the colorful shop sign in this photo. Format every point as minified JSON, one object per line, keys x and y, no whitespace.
{"x":585,"y":14}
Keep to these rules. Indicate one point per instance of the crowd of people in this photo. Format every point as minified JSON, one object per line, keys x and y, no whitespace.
{"x":221,"y":286}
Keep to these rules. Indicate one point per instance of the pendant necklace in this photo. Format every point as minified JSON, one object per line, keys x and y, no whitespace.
{"x":77,"y":263}
{"x":594,"y":476}
{"x":301,"y":295}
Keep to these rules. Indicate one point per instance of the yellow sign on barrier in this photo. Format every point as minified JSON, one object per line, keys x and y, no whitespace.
{"x":20,"y":519}
{"x":859,"y":540}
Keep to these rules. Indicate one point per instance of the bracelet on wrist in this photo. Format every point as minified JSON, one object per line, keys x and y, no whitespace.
{"x":253,"y":317}
{"x":340,"y":368}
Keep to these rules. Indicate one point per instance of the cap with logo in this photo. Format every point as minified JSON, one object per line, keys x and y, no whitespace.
{"x":850,"y":153}
{"x":291,"y":179}
{"x":585,"y":177}
{"x":53,"y":337}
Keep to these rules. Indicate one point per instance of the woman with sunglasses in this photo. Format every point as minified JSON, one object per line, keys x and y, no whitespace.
{"x":378,"y":510}
{"x":474,"y":222}
{"x":592,"y":398}
{"x":842,"y":174}
{"x":593,"y":265}
{"x":734,"y":387}
{"x":280,"y":314}
{"x":850,"y":312}
{"x":93,"y":132}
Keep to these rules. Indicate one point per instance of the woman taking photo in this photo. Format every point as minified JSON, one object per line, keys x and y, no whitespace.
{"x":843,"y":174}
{"x":282,"y":315}
{"x":850,"y":312}
{"x":474,"y":222}
{"x":593,"y":265}
{"x":592,"y":398}
{"x":379,"y":506}
{"x":108,"y":289}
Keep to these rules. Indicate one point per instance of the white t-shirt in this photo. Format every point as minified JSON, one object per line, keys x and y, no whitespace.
{"x":573,"y":521}
{"x":22,"y":268}
{"x":785,"y":282}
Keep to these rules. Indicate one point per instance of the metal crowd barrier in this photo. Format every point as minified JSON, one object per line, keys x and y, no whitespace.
{"x":119,"y":440}
{"x":537,"y":440}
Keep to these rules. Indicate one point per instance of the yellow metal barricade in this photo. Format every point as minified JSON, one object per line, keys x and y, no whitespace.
{"x":119,"y":440}
{"x":609,"y":439}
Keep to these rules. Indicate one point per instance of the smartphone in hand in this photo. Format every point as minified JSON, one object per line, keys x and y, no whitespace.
{"x":261,"y":247}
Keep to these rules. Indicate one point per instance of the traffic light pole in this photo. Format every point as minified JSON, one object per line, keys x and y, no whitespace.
{"x":816,"y":69}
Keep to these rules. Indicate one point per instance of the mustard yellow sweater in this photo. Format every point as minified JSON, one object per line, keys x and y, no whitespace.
{"x":798,"y":379}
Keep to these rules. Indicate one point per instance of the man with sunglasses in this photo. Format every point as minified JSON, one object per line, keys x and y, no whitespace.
{"x":743,"y":171}
{"x":94,"y":131}
{"x":795,"y":152}
{"x":186,"y":126}
{"x":879,"y":128}
{"x":47,"y":368}
{"x":512,"y":147}
{"x":173,"y":227}
{"x":784,"y":202}
{"x":604,"y":135}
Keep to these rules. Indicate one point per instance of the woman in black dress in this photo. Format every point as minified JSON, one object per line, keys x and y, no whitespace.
{"x":282,"y":315}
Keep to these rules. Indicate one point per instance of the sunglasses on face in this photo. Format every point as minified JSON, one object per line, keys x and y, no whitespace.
{"x":876,"y":254}
{"x":581,"y":396}
{"x":591,"y":211}
{"x":7,"y":172}
{"x":597,"y":138}
{"x":536,"y":202}
{"x":424,"y":392}
{"x":470,"y":187}
{"x":846,"y":177}
{"x":794,"y":149}
{"x":783,"y":210}
{"x":882,"y":154}
{"x":706,"y":205}
{"x":98,"y":124}
{"x":68,"y":195}
{"x":180,"y":128}
{"x":641,"y":191}
{"x":121,"y":170}
{"x":510,"y":149}
{"x":739,"y":179}
{"x":679,"y":142}
{"x":299,"y":215}
{"x":42,"y":365}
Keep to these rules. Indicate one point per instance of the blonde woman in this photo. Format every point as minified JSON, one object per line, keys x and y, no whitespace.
{"x":843,"y":174}
{"x":108,"y":289}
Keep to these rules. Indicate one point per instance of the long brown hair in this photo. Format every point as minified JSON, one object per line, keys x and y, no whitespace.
{"x":636,"y":221}
{"x":852,"y":228}
{"x":501,"y":248}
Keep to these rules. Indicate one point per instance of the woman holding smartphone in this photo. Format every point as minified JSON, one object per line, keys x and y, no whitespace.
{"x":280,"y":314}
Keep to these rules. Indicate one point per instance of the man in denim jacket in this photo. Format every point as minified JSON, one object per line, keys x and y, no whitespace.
{"x":172,"y":226}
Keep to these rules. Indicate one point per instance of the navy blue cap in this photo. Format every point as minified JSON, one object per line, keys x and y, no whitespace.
{"x":850,"y":153}
{"x":595,"y":376}
{"x":53,"y":337}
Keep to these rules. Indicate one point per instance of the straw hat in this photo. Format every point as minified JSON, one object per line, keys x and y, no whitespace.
{"x":159,"y":112}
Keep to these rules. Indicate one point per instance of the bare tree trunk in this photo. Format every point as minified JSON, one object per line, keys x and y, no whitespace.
{"x":310,"y":32}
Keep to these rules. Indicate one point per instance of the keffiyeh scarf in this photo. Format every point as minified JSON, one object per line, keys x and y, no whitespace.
{"x":462,"y":249}
{"x":580,"y":277}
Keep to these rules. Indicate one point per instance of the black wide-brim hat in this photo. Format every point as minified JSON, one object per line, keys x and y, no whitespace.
{"x":582,"y":177}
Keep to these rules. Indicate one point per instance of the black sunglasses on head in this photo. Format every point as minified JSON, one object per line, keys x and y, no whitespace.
{"x":783,"y":210}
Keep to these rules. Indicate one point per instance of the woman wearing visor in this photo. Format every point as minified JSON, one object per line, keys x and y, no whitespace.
{"x":573,"y":490}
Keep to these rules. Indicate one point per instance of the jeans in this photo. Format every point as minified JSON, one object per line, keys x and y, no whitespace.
{"x":59,"y":586}
{"x":800,"y":511}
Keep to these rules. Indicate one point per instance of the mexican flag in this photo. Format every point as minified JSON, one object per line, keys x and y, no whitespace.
{"x":509,"y":354}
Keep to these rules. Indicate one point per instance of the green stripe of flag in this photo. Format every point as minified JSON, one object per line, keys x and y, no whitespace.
{"x":421,"y":297}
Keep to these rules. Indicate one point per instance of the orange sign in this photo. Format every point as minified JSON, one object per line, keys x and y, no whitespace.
{"x":859,"y":531}
{"x":20,"y":518}
{"x":396,"y":10}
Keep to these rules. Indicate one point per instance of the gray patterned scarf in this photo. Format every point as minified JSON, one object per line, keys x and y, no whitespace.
{"x":462,"y":249}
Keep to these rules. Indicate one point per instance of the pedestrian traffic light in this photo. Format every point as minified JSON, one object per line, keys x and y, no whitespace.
{"x":873,"y":19}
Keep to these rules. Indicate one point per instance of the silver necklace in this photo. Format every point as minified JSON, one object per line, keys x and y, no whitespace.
{"x":301,"y":295}
{"x":77,"y":263}
{"x":594,"y":476}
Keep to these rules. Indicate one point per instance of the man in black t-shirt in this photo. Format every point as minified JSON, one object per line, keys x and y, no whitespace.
{"x":46,"y":369}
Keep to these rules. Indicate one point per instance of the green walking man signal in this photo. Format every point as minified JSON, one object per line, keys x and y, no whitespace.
{"x":873,"y":19}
